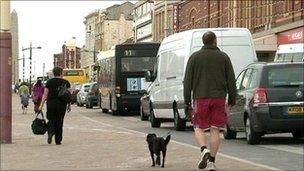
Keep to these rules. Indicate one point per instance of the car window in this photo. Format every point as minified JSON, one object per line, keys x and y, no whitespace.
{"x":254,"y":79}
{"x":247,"y":79}
{"x":239,"y":80}
{"x":285,"y":76}
{"x":163,"y":65}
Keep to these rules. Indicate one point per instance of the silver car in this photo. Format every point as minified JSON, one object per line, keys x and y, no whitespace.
{"x":81,"y":95}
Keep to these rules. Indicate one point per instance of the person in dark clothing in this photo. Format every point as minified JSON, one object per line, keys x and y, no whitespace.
{"x":209,"y":77}
{"x":55,"y":106}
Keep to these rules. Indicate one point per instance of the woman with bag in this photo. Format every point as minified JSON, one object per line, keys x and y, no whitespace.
{"x":37,"y":93}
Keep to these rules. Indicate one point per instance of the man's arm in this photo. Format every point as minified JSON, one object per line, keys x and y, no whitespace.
{"x":231,"y":85}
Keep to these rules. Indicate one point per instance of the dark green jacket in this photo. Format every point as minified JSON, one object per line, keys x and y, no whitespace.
{"x":209,"y":74}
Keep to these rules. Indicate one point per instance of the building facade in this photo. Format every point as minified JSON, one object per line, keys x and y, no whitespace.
{"x":265,"y":19}
{"x":143,"y":14}
{"x":164,"y":19}
{"x":15,"y":47}
{"x":69,"y":58}
{"x":105,"y":28}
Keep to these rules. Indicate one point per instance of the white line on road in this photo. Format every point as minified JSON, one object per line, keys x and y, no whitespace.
{"x":285,"y":148}
{"x":184,"y":144}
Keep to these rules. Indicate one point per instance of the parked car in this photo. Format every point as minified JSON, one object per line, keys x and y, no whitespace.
{"x":270,"y":100}
{"x":81,"y":95}
{"x":92,"y":96}
{"x":75,"y":88}
{"x":166,"y":94}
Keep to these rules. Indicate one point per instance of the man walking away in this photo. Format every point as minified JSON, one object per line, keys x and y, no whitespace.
{"x":209,"y":77}
{"x":56,"y":107}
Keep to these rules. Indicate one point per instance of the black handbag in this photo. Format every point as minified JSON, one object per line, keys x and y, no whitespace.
{"x":64,"y":94}
{"x":39,"y":126}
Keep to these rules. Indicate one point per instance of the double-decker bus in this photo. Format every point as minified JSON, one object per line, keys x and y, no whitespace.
{"x":122,"y":75}
{"x":75,"y":76}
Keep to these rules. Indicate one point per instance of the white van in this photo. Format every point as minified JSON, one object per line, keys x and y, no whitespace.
{"x":166,"y":94}
{"x":290,"y":52}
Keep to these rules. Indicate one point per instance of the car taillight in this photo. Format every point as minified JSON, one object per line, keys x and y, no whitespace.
{"x":260,"y":96}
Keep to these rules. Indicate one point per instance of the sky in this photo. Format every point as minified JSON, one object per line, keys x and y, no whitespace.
{"x":49,"y":24}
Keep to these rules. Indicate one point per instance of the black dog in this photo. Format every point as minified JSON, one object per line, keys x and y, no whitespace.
{"x":157,"y":145}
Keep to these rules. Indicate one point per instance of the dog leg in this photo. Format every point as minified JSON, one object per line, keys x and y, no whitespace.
{"x":158,"y":160}
{"x":164,"y":156}
{"x":152,"y":157}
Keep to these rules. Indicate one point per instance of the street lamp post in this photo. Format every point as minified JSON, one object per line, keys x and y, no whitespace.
{"x":31,"y":48}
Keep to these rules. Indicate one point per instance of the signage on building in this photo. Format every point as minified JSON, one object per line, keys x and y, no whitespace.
{"x":291,"y":36}
{"x":175,"y":18}
{"x":144,"y":31}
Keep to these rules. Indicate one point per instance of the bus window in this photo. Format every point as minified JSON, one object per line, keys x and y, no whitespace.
{"x":137,"y":64}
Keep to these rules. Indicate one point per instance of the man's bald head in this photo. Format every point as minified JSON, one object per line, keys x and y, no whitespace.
{"x":209,"y":38}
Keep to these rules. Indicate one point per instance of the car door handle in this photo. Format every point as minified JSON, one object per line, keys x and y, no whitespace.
{"x":170,"y":78}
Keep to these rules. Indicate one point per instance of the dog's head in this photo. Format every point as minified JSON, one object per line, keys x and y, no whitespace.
{"x":150,"y":137}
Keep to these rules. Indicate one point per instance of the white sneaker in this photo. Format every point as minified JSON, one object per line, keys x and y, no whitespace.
{"x":210,"y":166}
{"x":205,"y":154}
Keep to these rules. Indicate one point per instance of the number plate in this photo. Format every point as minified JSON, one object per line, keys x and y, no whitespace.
{"x":295,"y":110}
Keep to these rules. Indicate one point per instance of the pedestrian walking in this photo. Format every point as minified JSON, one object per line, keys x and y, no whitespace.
{"x":24,"y":97}
{"x":209,"y":77}
{"x":37,"y":93}
{"x":56,"y":107}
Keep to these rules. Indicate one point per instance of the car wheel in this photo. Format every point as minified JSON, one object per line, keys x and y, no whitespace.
{"x":251,"y":136}
{"x":297,"y":134}
{"x":229,"y":134}
{"x":143,"y":117}
{"x":155,"y":123}
{"x":77,"y":104}
{"x":179,"y":124}
{"x":105,"y":110}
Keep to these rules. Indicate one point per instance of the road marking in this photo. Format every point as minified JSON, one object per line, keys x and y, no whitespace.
{"x":285,"y":148}
{"x":184,"y":144}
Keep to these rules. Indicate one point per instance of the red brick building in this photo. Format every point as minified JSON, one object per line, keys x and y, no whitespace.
{"x":266,"y":19}
{"x":69,"y":58}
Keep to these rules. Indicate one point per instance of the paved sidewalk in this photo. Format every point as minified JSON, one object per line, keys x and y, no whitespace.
{"x":90,"y":145}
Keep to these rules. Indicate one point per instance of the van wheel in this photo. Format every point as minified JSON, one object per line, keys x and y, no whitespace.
{"x":105,"y":110}
{"x":251,"y":136}
{"x":297,"y":135}
{"x":143,"y":117}
{"x":229,"y":134}
{"x":179,"y":124}
{"x":155,"y":123}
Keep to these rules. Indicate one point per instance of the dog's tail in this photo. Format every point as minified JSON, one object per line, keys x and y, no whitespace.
{"x":167,"y":139}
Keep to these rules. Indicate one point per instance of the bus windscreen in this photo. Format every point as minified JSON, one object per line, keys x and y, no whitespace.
{"x":137,"y":64}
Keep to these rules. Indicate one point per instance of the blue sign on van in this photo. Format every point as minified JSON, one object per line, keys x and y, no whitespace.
{"x":134,"y":84}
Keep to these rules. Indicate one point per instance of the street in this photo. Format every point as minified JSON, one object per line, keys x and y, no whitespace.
{"x":96,"y":141}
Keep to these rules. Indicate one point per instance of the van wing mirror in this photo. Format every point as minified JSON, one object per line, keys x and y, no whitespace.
{"x":148,"y":76}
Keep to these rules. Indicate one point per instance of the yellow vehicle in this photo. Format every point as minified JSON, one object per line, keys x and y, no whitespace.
{"x":75,"y":76}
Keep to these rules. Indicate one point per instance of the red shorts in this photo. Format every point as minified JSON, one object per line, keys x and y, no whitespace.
{"x":209,"y":112}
